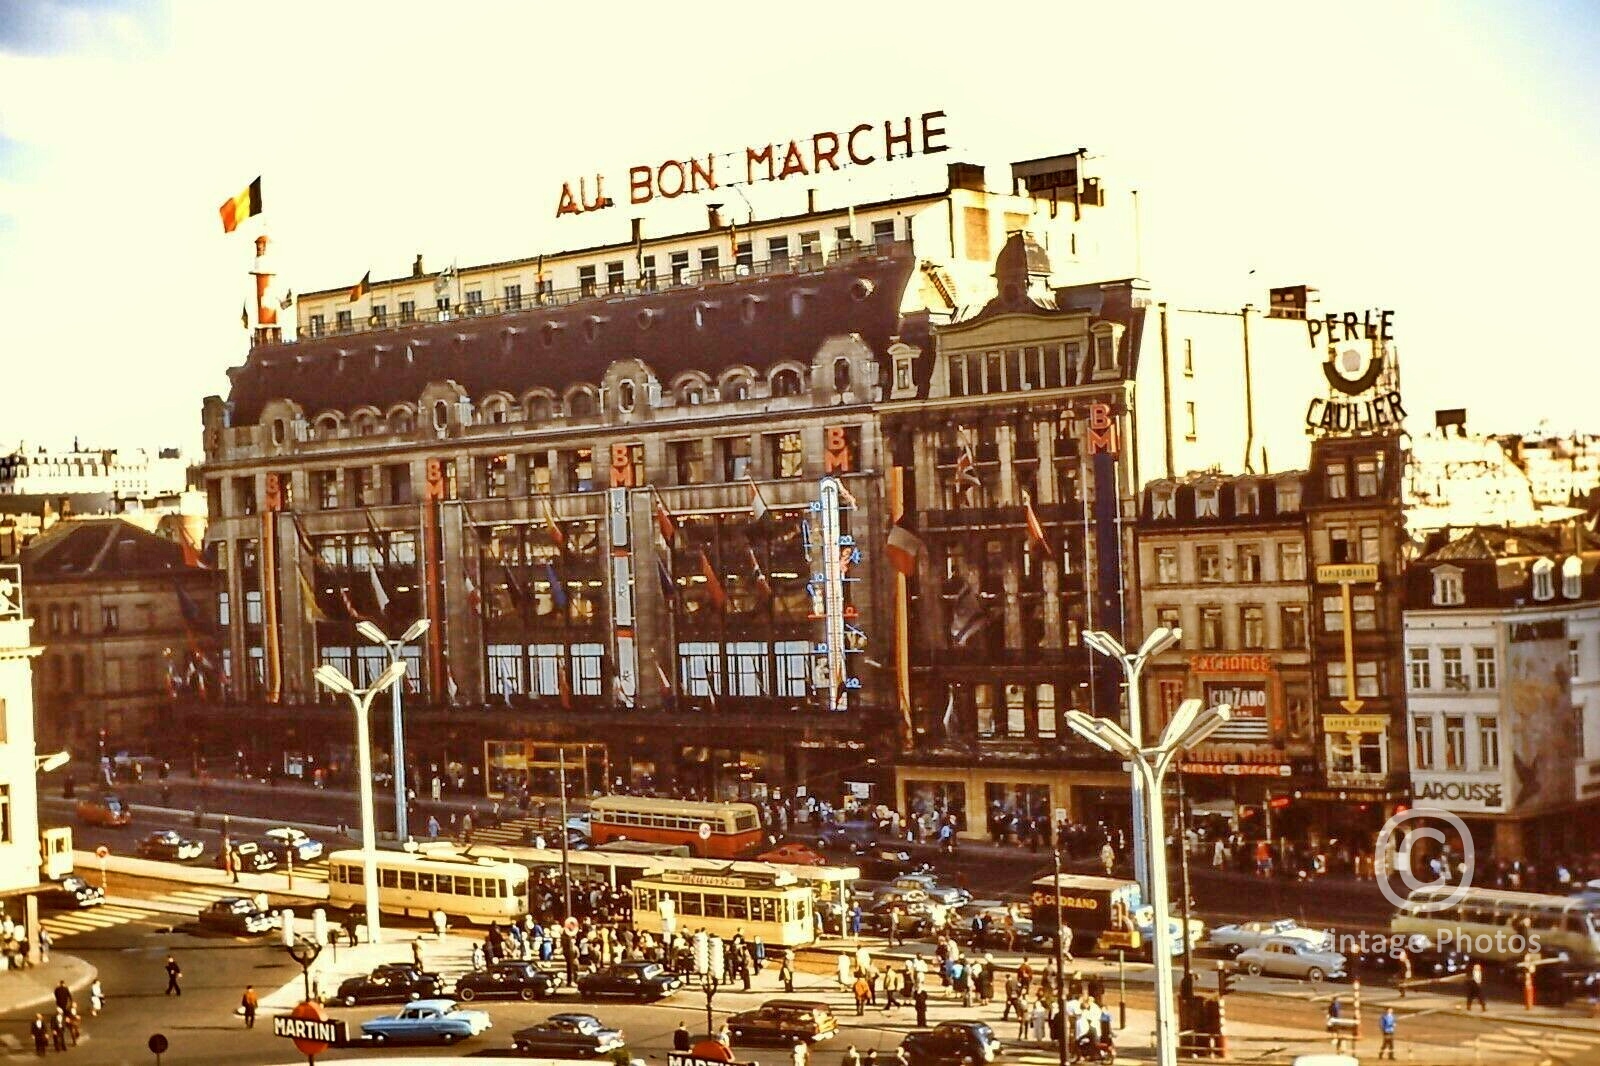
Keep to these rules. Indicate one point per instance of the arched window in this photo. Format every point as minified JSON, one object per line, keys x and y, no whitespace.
{"x":441,"y":414}
{"x":365,"y":424}
{"x":400,"y":421}
{"x":841,"y":375}
{"x":1572,"y":577}
{"x":538,"y":407}
{"x":1544,"y":583}
{"x":580,"y":404}
{"x":786,"y":383}
{"x":736,"y":388}
{"x":280,"y":431}
{"x":625,"y":396}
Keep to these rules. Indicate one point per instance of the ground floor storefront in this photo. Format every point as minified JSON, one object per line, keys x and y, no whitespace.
{"x":974,"y":796}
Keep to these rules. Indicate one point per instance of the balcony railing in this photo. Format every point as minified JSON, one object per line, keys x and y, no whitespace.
{"x":648,"y":284}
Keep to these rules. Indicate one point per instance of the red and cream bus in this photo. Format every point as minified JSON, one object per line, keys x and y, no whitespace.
{"x":734,"y":828}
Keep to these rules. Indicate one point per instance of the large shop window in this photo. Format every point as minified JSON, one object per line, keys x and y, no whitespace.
{"x":744,"y":668}
{"x":931,"y":802}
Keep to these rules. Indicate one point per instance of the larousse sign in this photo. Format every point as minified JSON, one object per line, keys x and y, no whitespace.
{"x":861,"y":145}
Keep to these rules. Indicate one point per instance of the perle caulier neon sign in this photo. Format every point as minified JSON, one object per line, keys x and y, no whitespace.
{"x":862,"y":145}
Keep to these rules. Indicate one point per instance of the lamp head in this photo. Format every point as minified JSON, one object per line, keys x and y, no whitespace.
{"x":1207,"y":724}
{"x":391,"y":674}
{"x":1160,"y":639}
{"x":415,"y":630}
{"x":370,"y":630}
{"x":1104,"y":643}
{"x":332,"y":678}
{"x":1086,"y":726}
{"x":54,"y":761}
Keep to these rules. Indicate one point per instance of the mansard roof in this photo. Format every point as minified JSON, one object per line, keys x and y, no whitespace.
{"x":755,"y":321}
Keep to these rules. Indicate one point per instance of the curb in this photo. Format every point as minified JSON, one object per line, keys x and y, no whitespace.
{"x":78,"y":989}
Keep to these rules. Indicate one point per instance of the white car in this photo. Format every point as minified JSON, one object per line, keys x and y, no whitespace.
{"x":305,"y":848}
{"x":1284,"y":956}
{"x":1241,"y":936}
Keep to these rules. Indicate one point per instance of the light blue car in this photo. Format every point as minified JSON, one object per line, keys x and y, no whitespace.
{"x":427,"y":1019}
{"x":285,"y":838}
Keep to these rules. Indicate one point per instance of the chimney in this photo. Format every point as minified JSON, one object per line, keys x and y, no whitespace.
{"x":811,"y":201}
{"x":714,"y":216}
{"x":1451,"y":418}
{"x":1290,"y":301}
{"x":416,"y":266}
{"x":967,"y":176}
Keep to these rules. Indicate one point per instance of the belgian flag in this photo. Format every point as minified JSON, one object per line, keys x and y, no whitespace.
{"x":359,"y":289}
{"x":246,"y":205}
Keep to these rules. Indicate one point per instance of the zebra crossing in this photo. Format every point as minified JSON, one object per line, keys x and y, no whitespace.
{"x":187,"y":901}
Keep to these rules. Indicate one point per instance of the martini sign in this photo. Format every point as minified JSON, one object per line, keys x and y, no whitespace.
{"x":1360,"y":399}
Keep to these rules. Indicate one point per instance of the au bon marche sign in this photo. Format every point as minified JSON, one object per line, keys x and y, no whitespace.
{"x":863,"y":144}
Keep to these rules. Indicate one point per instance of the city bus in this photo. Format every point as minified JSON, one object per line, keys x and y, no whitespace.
{"x":773,"y":906}
{"x":714,"y":830}
{"x":480,"y":890}
{"x":1103,"y":914}
{"x":1501,"y":926}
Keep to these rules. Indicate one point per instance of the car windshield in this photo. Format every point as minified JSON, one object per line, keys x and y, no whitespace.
{"x":73,"y":884}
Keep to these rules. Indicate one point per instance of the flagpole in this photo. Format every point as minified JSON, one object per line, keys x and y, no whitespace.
{"x":902,"y":619}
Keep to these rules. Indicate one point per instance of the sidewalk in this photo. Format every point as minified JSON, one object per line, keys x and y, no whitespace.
{"x":31,"y":989}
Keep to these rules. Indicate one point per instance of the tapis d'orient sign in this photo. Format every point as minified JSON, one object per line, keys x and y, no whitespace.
{"x":861,"y":145}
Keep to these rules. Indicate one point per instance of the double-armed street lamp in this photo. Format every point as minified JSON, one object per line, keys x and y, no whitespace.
{"x":1191,"y":725}
{"x":334,"y":680}
{"x":377,"y":636}
{"x":1133,"y":663}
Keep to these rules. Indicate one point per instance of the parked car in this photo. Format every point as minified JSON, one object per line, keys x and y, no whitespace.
{"x":1288,"y":956}
{"x":70,"y":893}
{"x":793,"y":853}
{"x":284,"y":839}
{"x":428,"y":1019}
{"x":568,"y":1036}
{"x":785,"y":1022}
{"x":507,"y":977}
{"x":169,"y":845}
{"x":637,"y":980}
{"x":882,"y":863}
{"x":237,"y":915}
{"x":952,"y":1044}
{"x":847,"y":836}
{"x":388,"y":984}
{"x":914,"y":922}
{"x":1427,"y":960}
{"x":994,"y":936}
{"x":248,"y":856}
{"x":1238,"y":936}
{"x":107,"y":810}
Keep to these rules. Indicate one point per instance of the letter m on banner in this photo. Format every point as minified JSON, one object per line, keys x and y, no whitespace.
{"x":623,"y":474}
{"x":836,"y":457}
{"x":1102,"y":429}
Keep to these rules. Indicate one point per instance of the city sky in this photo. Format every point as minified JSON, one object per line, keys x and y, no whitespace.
{"x":1433,"y":159}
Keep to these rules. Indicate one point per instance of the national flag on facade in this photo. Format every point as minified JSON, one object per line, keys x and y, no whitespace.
{"x":380,"y":539}
{"x":1035,"y":527}
{"x":968,"y":614}
{"x":350,"y":610}
{"x":193,"y":620}
{"x":758,"y":502}
{"x":558,"y":588}
{"x":758,"y":575}
{"x":379,"y":593}
{"x":669,"y":586}
{"x":450,"y":687}
{"x":308,"y":599}
{"x":244,"y":316}
{"x":360,"y":288}
{"x":951,"y":723}
{"x":719,"y":595}
{"x":238,"y":208}
{"x":904,"y":549}
{"x":966,"y":472}
{"x":664,"y":520}
{"x":287,"y":301}
{"x":474,"y":597}
{"x":666,"y":682}
{"x":556,"y":534}
{"x":563,"y":681}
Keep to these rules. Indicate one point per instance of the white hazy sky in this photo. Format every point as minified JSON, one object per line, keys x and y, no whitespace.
{"x":1437,"y":159}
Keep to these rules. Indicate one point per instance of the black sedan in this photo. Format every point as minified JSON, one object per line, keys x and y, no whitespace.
{"x":994,"y":936}
{"x":249,"y":856}
{"x":568,"y":1036}
{"x":70,"y":893}
{"x":168,"y":845}
{"x":952,"y":1044}
{"x":237,"y":915}
{"x":396,"y":983}
{"x":510,"y":978}
{"x":847,"y":836}
{"x":1427,"y":961}
{"x":912,"y":924}
{"x":635,"y":980}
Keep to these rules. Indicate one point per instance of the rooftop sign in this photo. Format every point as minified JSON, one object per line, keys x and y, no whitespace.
{"x":861,"y":145}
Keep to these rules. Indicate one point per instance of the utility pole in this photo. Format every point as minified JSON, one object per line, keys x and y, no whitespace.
{"x":1183,"y":865}
{"x":566,"y":864}
{"x":1061,"y":962}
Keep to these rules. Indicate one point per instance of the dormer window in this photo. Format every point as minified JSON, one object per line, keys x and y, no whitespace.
{"x":625,"y":395}
{"x":1205,"y":502}
{"x":1544,"y":579}
{"x":1288,"y":497}
{"x":1105,"y":354}
{"x":1447,"y":587}
{"x":1161,"y":502}
{"x":1247,"y":500}
{"x":1572,"y":577}
{"x":441,"y":414}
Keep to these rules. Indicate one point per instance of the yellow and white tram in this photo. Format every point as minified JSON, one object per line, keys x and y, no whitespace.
{"x":478,"y":889}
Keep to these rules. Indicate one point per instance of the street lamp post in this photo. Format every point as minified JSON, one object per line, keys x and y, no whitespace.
{"x":1190,"y":725}
{"x":1133,"y":663}
{"x":333,"y":679}
{"x":371,"y":631}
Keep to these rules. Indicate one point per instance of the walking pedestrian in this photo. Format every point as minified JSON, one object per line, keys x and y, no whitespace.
{"x":174,"y":972}
{"x":1386,"y":1027}
{"x":1404,"y":977}
{"x":786,"y":974}
{"x":41,"y":1034}
{"x":416,"y":953}
{"x":97,"y":997}
{"x":680,"y":1038}
{"x":45,"y":944}
{"x":851,"y":1057}
{"x":921,"y":1002}
{"x":1108,"y":857}
{"x":248,"y":1003}
{"x":58,"y":1030}
{"x":861,"y":990}
{"x":63,"y":995}
{"x":1475,"y":987}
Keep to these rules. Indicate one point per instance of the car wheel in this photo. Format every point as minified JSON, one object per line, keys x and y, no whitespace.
{"x":468,"y":993}
{"x":1232,"y":950}
{"x":448,"y":1038}
{"x":1254,"y":969}
{"x":413,"y":995}
{"x":349,"y":1001}
{"x":1314,"y":974}
{"x":378,"y":1038}
{"x":528,"y":993}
